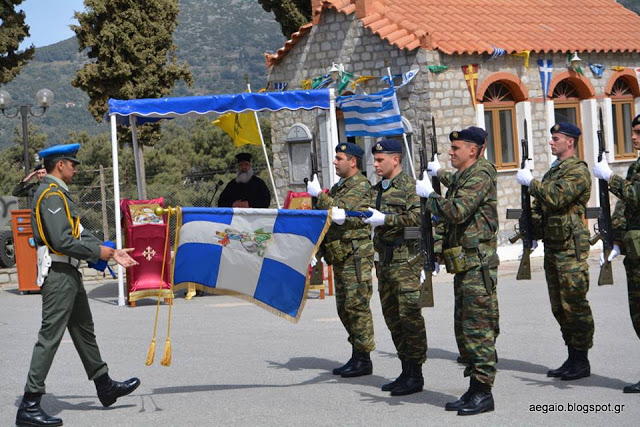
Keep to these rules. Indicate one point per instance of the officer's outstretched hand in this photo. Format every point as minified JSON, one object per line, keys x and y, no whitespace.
{"x":376,"y":219}
{"x":601,"y":170}
{"x":121,"y":256}
{"x":313,"y":186}
{"x":524,"y":177}
{"x":338,"y":215}
{"x":424,"y":187}
{"x":433,"y":167}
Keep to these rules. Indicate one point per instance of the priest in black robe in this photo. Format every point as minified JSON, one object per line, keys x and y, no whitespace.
{"x":246,"y":190}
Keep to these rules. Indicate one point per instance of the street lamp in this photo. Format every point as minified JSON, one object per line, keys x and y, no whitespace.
{"x":44,"y":99}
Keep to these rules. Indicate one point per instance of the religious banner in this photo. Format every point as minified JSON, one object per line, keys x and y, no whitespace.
{"x":260,"y":255}
{"x":471,"y":76}
{"x":546,"y":69}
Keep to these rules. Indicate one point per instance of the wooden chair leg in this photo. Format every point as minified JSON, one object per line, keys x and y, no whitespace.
{"x":168,"y":301}
{"x":330,"y":279}
{"x":132,"y":303}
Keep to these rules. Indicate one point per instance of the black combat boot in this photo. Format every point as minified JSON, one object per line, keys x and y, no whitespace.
{"x":393,"y":384}
{"x":412,"y":383}
{"x":454,"y":406}
{"x":31,"y":414}
{"x":634,"y":388}
{"x":556,"y":373}
{"x":109,"y":390}
{"x":341,"y":369}
{"x":361,"y":366}
{"x":481,"y":400}
{"x":580,"y":367}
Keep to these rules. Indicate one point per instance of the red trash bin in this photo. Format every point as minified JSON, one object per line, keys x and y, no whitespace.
{"x":25,"y":250}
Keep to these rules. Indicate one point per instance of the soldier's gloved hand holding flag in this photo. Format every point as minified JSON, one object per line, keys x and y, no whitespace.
{"x":376,"y":219}
{"x":313,"y":187}
{"x":338,"y":215}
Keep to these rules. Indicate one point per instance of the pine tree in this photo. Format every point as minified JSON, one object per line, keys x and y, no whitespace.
{"x":290,"y":14}
{"x":13,"y":31}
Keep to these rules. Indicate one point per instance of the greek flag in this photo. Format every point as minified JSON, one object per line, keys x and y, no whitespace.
{"x":546,"y":69}
{"x":261,"y":255}
{"x":280,"y":86}
{"x":375,"y":115}
{"x":406,"y":78}
{"x":497,"y":53}
{"x":596,"y":69}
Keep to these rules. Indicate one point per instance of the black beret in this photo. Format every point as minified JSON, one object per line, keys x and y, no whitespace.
{"x":243,"y":157}
{"x":350,"y":148}
{"x":566,"y":128}
{"x":387,"y":146}
{"x":470,"y":134}
{"x":636,"y":121}
{"x":38,"y":166}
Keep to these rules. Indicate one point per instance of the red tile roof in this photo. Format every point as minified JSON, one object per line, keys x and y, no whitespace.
{"x":476,"y":26}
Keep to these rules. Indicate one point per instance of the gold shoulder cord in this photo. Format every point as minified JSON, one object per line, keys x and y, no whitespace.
{"x":75,"y":225}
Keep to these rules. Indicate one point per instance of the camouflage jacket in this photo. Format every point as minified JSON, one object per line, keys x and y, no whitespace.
{"x":446,"y":177}
{"x":351,"y":194}
{"x":401,"y":206}
{"x":58,"y":231}
{"x":560,"y":201}
{"x":626,"y":215}
{"x":469,"y":211}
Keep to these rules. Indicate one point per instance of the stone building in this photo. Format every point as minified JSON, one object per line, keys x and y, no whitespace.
{"x":367,"y":36}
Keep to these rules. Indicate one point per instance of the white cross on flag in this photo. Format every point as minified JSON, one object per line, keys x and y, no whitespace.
{"x":546,"y":70}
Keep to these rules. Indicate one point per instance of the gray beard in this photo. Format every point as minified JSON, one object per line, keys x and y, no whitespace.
{"x":244,"y":177}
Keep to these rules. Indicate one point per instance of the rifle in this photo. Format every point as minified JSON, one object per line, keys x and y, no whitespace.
{"x":435,"y":181}
{"x":426,"y":232}
{"x":313,"y":159}
{"x":603,"y":227}
{"x":524,"y":227}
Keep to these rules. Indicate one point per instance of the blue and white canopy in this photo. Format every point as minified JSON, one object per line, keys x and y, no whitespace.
{"x":165,"y":108}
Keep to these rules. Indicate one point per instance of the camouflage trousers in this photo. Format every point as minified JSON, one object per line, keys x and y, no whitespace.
{"x":475,"y":324}
{"x":633,"y":290}
{"x":352,"y":301}
{"x":399,"y":288}
{"x":568,"y":284}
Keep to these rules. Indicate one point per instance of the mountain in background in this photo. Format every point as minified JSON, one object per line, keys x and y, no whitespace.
{"x":631,"y":4}
{"x":222,"y":40}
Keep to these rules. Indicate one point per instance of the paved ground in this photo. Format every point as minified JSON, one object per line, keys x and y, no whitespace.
{"x":235,"y":364}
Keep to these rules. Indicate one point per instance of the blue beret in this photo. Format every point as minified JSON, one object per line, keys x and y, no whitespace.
{"x":350,"y":148}
{"x":471,"y":134}
{"x":636,"y":121}
{"x":61,"y":151}
{"x":387,"y":146}
{"x":566,"y":128}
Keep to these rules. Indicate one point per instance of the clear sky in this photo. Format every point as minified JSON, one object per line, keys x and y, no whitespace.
{"x":49,"y":20}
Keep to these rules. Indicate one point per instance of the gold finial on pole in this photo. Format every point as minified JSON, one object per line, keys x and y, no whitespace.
{"x":159,"y":211}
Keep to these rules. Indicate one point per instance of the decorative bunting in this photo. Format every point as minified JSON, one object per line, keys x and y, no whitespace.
{"x":596,"y":69}
{"x":305,"y":84}
{"x":406,"y":78}
{"x":280,"y":86}
{"x":617,"y":68}
{"x":321,"y":82}
{"x":359,"y":80}
{"x":497,"y":53}
{"x":523,"y":54}
{"x":546,"y":69}
{"x":437,"y":69}
{"x":577,"y":69}
{"x":345,"y":78}
{"x":471,"y":76}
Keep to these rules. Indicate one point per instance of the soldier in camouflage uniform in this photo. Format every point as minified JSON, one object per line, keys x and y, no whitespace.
{"x":560,"y":202}
{"x":446,"y":179}
{"x":626,"y":228}
{"x":400,"y":265}
{"x":470,"y":216}
{"x":348,"y":247}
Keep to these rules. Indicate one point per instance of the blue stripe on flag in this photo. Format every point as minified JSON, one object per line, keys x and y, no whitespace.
{"x":222,"y":215}
{"x":292,"y":221}
{"x":286,"y":287}
{"x":198,"y":254}
{"x":371,"y":115}
{"x":380,"y":121}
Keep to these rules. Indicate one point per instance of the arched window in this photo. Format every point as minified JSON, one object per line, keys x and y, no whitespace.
{"x":622,"y":110}
{"x":566,"y":101}
{"x":499,"y":119}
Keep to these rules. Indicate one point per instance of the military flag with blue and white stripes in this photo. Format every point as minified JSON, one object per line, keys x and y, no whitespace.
{"x":375,"y":115}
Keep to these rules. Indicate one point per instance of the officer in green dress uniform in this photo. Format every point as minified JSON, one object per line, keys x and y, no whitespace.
{"x":400,"y":264}
{"x":62,"y":243}
{"x":557,"y":212}
{"x":625,"y":222}
{"x":347,"y":246}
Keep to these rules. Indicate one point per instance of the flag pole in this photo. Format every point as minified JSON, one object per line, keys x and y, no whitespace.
{"x":266,"y":157}
{"x":404,"y":135}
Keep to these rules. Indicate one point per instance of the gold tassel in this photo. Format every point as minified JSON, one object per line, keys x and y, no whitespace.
{"x":152,"y":352}
{"x":166,"y":359}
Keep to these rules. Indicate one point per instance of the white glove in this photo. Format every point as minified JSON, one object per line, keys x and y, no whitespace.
{"x":424,"y":187}
{"x":615,"y":251}
{"x":601,"y":170}
{"x":436,"y":269}
{"x":314,"y":261}
{"x":376,"y":219}
{"x":338,"y":215}
{"x":434,"y":273}
{"x":313,"y":186}
{"x":433,"y":167}
{"x":524,"y":177}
